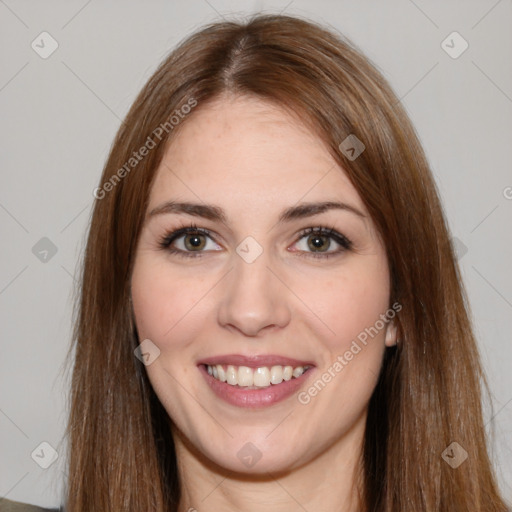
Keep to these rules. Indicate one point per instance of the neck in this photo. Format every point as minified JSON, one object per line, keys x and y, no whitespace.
{"x":327,"y":482}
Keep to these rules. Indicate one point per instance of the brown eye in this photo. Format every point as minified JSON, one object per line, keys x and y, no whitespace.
{"x":321,"y":242}
{"x":194,"y":241}
{"x":189,"y":241}
{"x":318,"y":243}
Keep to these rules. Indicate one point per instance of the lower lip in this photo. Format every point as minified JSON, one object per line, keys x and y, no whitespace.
{"x":253,"y":398}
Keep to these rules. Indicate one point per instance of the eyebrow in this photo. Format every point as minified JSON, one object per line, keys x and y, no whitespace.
{"x":215,"y":213}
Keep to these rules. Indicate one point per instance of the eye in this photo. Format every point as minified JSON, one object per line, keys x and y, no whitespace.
{"x":189,"y":241}
{"x":318,"y":241}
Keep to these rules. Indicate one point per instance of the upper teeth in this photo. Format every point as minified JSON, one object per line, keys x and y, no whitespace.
{"x":260,"y":377}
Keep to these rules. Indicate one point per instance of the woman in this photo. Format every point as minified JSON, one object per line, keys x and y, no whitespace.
{"x":271,"y":313}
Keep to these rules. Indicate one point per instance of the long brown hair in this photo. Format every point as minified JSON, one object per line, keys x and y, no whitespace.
{"x":121,"y":452}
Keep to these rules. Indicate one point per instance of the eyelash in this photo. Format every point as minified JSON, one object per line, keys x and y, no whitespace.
{"x":166,"y":241}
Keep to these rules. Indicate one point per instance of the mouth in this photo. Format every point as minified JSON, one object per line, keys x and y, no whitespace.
{"x":254,"y":378}
{"x":256,"y":381}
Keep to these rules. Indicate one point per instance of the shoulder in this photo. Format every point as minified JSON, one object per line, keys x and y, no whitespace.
{"x":15,"y":506}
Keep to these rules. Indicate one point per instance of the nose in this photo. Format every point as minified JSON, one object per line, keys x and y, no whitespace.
{"x":253,"y":298}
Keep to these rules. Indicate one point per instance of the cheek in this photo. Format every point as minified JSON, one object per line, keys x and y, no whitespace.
{"x":350,"y":304}
{"x":163,"y":302}
{"x":168,"y":311}
{"x":351,"y":307}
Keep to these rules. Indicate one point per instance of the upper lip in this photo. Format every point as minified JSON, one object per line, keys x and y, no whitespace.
{"x":254,"y":361}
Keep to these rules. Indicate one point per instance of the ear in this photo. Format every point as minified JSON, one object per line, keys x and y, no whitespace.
{"x":391,"y":334}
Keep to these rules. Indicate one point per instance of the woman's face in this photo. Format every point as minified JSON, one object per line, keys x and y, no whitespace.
{"x":256,"y":288}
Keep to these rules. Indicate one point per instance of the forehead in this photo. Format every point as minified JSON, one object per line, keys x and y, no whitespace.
{"x":245,"y":151}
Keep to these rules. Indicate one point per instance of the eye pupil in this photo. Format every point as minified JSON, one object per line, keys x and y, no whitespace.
{"x":317,"y":242}
{"x":194,"y":241}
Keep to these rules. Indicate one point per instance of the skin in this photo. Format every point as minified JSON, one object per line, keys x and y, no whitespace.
{"x":253,"y":160}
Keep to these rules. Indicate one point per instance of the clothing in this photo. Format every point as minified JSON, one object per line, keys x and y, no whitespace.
{"x":16,"y":506}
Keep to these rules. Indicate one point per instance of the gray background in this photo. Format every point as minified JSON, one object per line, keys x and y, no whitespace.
{"x":58,"y":119}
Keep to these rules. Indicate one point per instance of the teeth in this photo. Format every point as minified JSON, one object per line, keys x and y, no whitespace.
{"x":245,"y":376}
{"x":287,"y":372}
{"x":231,"y":376}
{"x":276,"y":374}
{"x":297,"y":372}
{"x":261,"y":377}
{"x":221,"y":373}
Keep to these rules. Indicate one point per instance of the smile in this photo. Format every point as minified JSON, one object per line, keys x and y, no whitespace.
{"x":255,"y":381}
{"x":254,"y":378}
